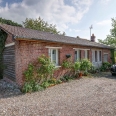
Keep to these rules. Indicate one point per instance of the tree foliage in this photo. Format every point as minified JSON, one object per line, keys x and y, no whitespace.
{"x":111,"y":39}
{"x":41,"y":25}
{"x":9,"y":22}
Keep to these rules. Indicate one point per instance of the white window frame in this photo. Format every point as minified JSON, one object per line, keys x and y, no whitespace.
{"x":86,"y":54}
{"x":78,"y":55}
{"x":50,"y":49}
{"x":96,"y":60}
{"x":99,"y":56}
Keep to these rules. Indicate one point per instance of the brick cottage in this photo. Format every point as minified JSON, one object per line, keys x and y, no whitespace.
{"x":26,"y":45}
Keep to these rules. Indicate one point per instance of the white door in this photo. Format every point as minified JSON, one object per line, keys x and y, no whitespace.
{"x":96,"y":58}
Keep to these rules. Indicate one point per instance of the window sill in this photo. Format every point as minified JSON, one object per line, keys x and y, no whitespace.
{"x":57,"y":66}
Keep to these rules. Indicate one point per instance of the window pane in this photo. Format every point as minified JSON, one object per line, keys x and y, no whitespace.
{"x":54,"y":56}
{"x":99,"y":55}
{"x":87,"y":54}
{"x":95,"y":56}
{"x":75,"y":56}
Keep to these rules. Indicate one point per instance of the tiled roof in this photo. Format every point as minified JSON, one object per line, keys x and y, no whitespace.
{"x":20,"y":32}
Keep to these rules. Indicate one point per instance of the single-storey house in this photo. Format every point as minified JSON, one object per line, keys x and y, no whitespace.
{"x":24,"y":45}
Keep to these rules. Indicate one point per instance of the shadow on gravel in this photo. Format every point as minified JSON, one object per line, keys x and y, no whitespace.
{"x":104,"y":75}
{"x":6,"y":94}
{"x":8,"y":90}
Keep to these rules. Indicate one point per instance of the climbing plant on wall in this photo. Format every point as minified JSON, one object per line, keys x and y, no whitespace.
{"x":112,"y":55}
{"x":3,"y":37}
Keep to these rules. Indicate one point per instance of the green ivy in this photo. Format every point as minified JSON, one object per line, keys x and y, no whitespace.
{"x":112,"y":56}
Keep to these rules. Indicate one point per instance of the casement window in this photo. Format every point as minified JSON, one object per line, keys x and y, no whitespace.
{"x":77,"y":55}
{"x":54,"y":54}
{"x":105,"y":57}
{"x":86,"y":54}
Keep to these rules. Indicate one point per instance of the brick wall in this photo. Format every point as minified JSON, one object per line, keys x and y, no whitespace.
{"x":28,"y":51}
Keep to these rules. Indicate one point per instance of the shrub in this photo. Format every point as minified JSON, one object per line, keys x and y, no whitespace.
{"x":27,"y":87}
{"x":50,"y":82}
{"x":105,"y":66}
{"x":66,"y":78}
{"x":45,"y":84}
{"x":58,"y":81}
{"x":92,"y":69}
{"x":46,"y":69}
{"x":76,"y":66}
{"x":67,"y":63}
{"x":37,"y":73}
{"x":29,"y":73}
{"x":85,"y":65}
{"x":31,"y":87}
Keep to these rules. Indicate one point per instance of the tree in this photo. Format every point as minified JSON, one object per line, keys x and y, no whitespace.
{"x":41,"y":25}
{"x":111,"y":39}
{"x":9,"y":22}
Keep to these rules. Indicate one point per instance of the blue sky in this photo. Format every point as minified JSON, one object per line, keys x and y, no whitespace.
{"x":72,"y":16}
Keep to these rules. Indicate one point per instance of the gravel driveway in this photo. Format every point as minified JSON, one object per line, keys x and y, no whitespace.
{"x":83,"y":97}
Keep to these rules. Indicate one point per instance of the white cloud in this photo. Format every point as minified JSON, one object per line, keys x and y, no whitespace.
{"x":52,"y":11}
{"x":104,"y":22}
{"x":74,"y":30}
{"x":105,"y":2}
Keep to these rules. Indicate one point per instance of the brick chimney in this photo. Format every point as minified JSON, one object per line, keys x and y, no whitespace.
{"x":92,"y":38}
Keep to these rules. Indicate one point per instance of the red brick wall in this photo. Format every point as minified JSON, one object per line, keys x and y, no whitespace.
{"x":28,"y":51}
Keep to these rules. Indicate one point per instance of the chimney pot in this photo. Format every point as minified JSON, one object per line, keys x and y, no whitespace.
{"x":93,"y":38}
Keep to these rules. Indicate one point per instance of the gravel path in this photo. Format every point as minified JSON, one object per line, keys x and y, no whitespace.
{"x":83,"y":97}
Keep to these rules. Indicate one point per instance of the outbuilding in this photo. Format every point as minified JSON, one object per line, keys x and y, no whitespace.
{"x":25,"y":45}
